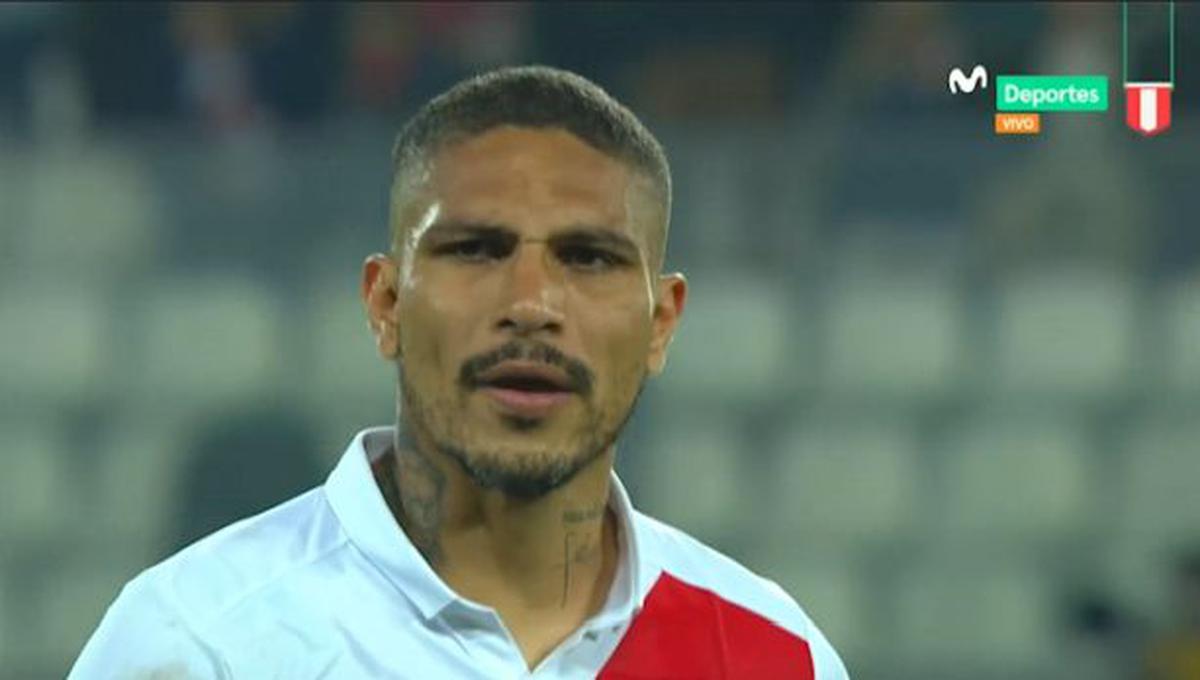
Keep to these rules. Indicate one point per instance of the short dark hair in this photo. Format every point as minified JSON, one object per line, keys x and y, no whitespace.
{"x":535,"y":97}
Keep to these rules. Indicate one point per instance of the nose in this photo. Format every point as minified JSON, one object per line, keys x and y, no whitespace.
{"x":535,"y":293}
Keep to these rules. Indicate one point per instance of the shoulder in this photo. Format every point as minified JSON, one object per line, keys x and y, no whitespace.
{"x":168,"y":644}
{"x":171,"y":612}
{"x":689,"y":560}
{"x":685,"y":559}
{"x":215,"y":574}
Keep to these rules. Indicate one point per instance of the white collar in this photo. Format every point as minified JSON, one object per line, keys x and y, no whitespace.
{"x":367,"y":521}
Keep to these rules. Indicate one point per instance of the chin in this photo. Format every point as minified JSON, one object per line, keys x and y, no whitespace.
{"x":521,"y":465}
{"x":523,"y":424}
{"x":525,"y":450}
{"x":523,"y":475}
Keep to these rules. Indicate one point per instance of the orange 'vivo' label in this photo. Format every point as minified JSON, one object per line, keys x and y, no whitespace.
{"x":1018,"y":123}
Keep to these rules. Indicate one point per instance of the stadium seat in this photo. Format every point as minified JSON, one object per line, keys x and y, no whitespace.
{"x":1181,"y":330}
{"x":12,"y":194}
{"x":736,"y":342}
{"x":109,"y":223}
{"x":1154,"y":507}
{"x":1137,"y":570}
{"x":1015,"y":476}
{"x":209,"y":339}
{"x":1064,"y":332}
{"x":54,"y":338}
{"x":348,"y":386}
{"x":138,"y":482}
{"x":239,"y":464}
{"x":712,"y":180}
{"x":9,"y":617}
{"x":72,"y":599}
{"x":967,"y":616}
{"x":842,"y":478}
{"x":344,"y":363}
{"x":1159,"y":481}
{"x":695,"y":475}
{"x":892,"y":336}
{"x":39,"y":498}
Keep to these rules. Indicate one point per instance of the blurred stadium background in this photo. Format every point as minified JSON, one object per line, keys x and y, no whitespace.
{"x":941,"y":385}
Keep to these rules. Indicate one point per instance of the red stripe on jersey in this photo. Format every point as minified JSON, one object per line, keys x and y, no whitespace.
{"x":688,"y":632}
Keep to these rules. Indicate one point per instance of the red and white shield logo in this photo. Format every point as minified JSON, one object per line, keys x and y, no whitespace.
{"x":1148,"y":107}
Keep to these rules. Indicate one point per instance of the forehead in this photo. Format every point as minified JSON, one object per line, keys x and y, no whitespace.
{"x":550,"y":172}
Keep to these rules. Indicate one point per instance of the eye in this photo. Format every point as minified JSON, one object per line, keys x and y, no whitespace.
{"x":588,"y":258}
{"x":473,"y":249}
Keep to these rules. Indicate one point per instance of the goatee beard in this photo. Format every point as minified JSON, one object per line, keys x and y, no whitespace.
{"x":521,"y":476}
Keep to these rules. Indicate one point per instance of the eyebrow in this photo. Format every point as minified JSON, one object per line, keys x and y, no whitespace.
{"x":576,"y":234}
{"x":597,"y":236}
{"x":453,"y":228}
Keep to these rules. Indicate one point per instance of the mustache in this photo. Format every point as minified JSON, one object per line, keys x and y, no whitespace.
{"x":579,"y":376}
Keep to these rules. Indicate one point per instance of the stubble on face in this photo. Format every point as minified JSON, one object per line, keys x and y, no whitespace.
{"x":443,"y":412}
{"x":526,"y":474}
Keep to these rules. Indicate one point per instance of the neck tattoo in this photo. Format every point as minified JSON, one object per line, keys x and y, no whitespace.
{"x":418,"y":508}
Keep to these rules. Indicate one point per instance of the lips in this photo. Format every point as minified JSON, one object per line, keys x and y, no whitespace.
{"x":526,"y":375}
{"x":527,"y":389}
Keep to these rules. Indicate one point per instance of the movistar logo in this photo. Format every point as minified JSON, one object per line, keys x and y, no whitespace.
{"x":959,"y":81}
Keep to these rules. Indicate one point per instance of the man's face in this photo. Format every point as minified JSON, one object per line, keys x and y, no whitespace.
{"x":526,"y":312}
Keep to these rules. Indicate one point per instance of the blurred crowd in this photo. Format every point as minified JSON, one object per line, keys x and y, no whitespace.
{"x":225,"y":65}
{"x":243,"y":70}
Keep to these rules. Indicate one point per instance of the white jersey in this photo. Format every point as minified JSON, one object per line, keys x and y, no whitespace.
{"x":328,"y":586}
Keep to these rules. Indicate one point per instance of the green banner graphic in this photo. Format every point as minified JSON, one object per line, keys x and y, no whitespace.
{"x":1051,"y":93}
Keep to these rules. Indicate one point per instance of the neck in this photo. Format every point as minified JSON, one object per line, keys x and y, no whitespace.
{"x":543,"y":559}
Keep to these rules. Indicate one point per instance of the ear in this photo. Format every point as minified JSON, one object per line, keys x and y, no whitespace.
{"x":378,"y":291}
{"x":668,"y":307}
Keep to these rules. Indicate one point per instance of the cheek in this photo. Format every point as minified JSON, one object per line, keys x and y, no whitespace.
{"x":620,"y":336}
{"x":430,"y":327}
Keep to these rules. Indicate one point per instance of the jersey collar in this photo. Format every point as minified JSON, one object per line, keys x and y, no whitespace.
{"x":369,"y":525}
